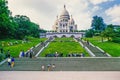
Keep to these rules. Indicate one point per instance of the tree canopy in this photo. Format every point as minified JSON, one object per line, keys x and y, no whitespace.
{"x":98,"y":24}
{"x":109,"y":32}
{"x":18,"y":26}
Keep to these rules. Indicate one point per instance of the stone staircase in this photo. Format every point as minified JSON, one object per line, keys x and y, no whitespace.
{"x":99,"y":63}
{"x":37,"y":48}
{"x":64,"y":64}
{"x":93,"y":49}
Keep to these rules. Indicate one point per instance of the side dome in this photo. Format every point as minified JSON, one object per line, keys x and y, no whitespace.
{"x":71,"y":20}
{"x":56,"y":22}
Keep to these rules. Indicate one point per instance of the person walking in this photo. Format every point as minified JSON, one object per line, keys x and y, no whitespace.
{"x":31,"y":53}
{"x":53,"y":67}
{"x":9,"y":62}
{"x":12,"y":62}
{"x":23,"y":53}
{"x":43,"y":68}
{"x":49,"y":67}
{"x":20,"y":55}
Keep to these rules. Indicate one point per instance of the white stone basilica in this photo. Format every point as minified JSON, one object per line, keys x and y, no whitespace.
{"x":64,"y":23}
{"x":64,"y":26}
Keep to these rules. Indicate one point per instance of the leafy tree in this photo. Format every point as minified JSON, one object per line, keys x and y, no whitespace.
{"x":34,"y":30}
{"x":109,"y":32}
{"x":23,"y":23}
{"x":116,"y":38}
{"x":6,"y":22}
{"x":89,"y":33}
{"x":98,"y":24}
{"x":16,"y":27}
{"x":26,"y":27}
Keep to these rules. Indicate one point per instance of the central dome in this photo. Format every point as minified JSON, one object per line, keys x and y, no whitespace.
{"x":64,"y":13}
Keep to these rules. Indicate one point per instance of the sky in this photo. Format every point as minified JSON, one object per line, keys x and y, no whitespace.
{"x":44,"y":12}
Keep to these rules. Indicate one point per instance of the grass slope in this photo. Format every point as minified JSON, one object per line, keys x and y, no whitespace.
{"x":15,"y":49}
{"x":65,"y":46}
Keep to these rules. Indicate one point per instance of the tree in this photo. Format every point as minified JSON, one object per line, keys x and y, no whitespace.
{"x":116,"y":38}
{"x":89,"y":33}
{"x":26,"y":27}
{"x":109,"y":32}
{"x":23,"y":28}
{"x":34,"y":30}
{"x":18,"y":26}
{"x":7,"y":25}
{"x":98,"y":24}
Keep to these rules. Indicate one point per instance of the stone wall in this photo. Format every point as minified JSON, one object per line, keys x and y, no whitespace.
{"x":75,"y":34}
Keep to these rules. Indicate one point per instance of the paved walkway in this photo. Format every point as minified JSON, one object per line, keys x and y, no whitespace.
{"x":37,"y":75}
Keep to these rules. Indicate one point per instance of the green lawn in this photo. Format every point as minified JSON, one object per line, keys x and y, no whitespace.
{"x":65,"y":46}
{"x":16,"y":48}
{"x":110,"y":47}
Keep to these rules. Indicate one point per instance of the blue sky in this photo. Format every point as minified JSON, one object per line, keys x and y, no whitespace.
{"x":44,"y":12}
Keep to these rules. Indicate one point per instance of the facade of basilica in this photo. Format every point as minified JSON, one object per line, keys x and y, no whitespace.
{"x":64,"y":26}
{"x":64,"y":23}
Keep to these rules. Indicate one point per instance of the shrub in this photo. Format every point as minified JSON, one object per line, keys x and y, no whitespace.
{"x":63,"y":36}
{"x":116,"y":39}
{"x":2,"y":56}
{"x":72,"y":36}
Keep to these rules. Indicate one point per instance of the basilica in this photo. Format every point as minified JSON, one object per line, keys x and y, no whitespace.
{"x":64,"y":26}
{"x":64,"y":23}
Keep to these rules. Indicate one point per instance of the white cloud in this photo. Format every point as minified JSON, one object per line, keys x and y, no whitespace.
{"x":95,"y":2}
{"x":44,"y":12}
{"x":114,"y":14}
{"x":96,"y":8}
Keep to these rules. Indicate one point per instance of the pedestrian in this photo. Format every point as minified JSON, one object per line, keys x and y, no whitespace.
{"x":53,"y":67}
{"x":12,"y":62}
{"x":20,"y":55}
{"x":43,"y":68}
{"x":87,"y":42}
{"x":9,"y":62}
{"x":27,"y":53}
{"x":23,"y":53}
{"x":49,"y":67}
{"x":31,"y":53}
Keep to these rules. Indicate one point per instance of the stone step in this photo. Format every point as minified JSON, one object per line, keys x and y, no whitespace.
{"x":95,"y":51}
{"x":65,"y":64}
